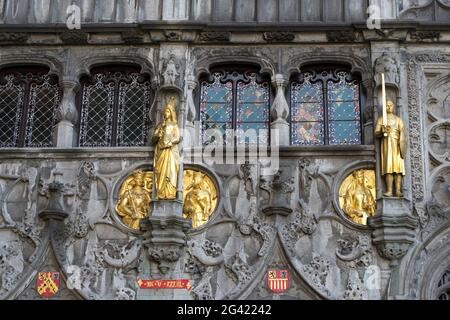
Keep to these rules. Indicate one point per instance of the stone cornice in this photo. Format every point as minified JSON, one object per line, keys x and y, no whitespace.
{"x":146,"y":152}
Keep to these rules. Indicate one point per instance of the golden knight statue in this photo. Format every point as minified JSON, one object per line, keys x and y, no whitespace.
{"x":166,"y":161}
{"x":198,"y":202}
{"x":390,"y":130}
{"x":134,"y":200}
{"x":359,"y":202}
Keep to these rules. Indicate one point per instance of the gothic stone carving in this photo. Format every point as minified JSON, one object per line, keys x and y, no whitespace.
{"x":386,"y":64}
{"x":355,"y":289}
{"x":342,"y":36}
{"x":317,"y":271}
{"x":280,"y":191}
{"x":74,"y":37}
{"x":170,"y":73}
{"x":215,"y":36}
{"x":11,"y":265}
{"x":278,"y":36}
{"x":415,"y":135}
{"x":356,"y":252}
{"x":425,"y":35}
{"x":304,"y":222}
{"x":13,"y":37}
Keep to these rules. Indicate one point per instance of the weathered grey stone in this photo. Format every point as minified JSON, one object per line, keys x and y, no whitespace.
{"x":267,"y":10}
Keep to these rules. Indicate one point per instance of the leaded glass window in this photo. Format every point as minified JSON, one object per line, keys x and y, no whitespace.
{"x":325,"y":109}
{"x":236,"y":105}
{"x":115,"y":107}
{"x":28,"y":104}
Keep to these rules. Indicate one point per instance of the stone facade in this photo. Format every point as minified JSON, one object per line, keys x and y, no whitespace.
{"x":57,"y":204}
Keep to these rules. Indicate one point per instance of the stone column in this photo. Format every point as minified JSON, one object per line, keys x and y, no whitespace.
{"x":190,"y":138}
{"x":67,"y":115}
{"x":280,"y":112}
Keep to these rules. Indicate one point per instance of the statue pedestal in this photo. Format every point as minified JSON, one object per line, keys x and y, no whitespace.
{"x":165,"y":208}
{"x":393,"y":206}
{"x":165,"y":239}
{"x":394,"y":228}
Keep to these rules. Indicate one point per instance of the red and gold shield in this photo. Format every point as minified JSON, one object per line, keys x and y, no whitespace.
{"x":277,"y":280}
{"x":47,"y":284}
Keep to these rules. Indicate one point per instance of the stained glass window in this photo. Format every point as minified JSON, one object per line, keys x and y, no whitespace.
{"x":344,"y":121}
{"x":325,"y":109}
{"x":28,"y":105}
{"x":235,"y":101}
{"x":216,"y":109}
{"x":115,"y":109}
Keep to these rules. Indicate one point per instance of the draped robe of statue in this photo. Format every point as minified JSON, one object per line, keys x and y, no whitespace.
{"x":392,"y":160}
{"x":167,"y":157}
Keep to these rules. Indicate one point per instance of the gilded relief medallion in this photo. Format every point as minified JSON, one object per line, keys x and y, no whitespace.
{"x":134,"y":198}
{"x":357,"y":195}
{"x":199,"y":198}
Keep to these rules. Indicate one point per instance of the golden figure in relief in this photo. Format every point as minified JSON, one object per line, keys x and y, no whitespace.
{"x":167,"y":158}
{"x":390,"y":130}
{"x":357,"y":196}
{"x":200,"y":197}
{"x":134,"y":198}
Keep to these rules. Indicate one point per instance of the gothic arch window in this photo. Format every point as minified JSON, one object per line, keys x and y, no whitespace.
{"x":325,"y":107}
{"x":114,"y":107}
{"x":29,"y":99}
{"x":235,"y":105}
{"x":444,"y":286}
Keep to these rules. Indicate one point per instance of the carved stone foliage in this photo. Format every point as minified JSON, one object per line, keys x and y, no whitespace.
{"x":342,"y":36}
{"x":389,"y":66}
{"x":278,"y":36}
{"x":109,"y":270}
{"x":425,"y":35}
{"x":303,"y":222}
{"x":74,"y":37}
{"x":215,"y":36}
{"x":13,"y":37}
{"x":317,"y":271}
{"x":12,"y":265}
{"x":415,"y":133}
{"x":355,"y":252}
{"x":355,"y":289}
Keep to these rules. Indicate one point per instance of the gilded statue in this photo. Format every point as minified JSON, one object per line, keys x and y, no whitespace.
{"x":134,"y":199}
{"x":358,"y":200}
{"x":390,"y":130}
{"x":166,"y":161}
{"x":200,"y":197}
